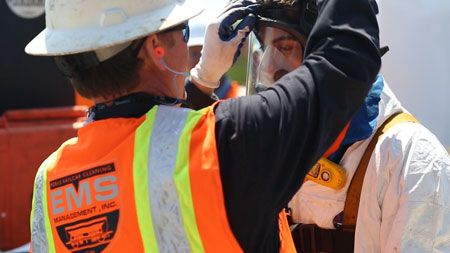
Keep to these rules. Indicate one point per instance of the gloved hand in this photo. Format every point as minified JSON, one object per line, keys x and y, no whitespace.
{"x":223,"y":43}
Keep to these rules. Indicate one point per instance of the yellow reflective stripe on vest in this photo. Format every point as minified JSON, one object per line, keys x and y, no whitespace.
{"x":167,"y":219}
{"x":140,"y":174}
{"x":41,"y":231}
{"x":183,"y":183}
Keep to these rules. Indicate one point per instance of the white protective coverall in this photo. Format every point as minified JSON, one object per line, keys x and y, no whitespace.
{"x":405,"y":199}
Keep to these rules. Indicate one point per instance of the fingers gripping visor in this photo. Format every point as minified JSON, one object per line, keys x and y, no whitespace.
{"x":273,"y":52}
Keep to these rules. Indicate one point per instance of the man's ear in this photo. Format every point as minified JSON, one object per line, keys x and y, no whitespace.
{"x":153,"y":52}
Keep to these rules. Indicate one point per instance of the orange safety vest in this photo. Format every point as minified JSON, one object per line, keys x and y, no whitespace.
{"x":137,"y":185}
{"x":234,"y":91}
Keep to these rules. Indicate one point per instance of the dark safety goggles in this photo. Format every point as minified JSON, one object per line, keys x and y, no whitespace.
{"x":184,"y":29}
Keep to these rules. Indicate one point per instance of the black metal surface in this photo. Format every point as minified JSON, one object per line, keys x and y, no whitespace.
{"x":27,"y":81}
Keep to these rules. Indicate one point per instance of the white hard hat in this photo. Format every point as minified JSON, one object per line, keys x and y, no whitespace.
{"x":198,"y":24}
{"x":196,"y":34}
{"x":76,"y":26}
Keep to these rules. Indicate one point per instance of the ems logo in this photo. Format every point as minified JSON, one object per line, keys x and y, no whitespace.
{"x":85,"y":208}
{"x":89,"y":235}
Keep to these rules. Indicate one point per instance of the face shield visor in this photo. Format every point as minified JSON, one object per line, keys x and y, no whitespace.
{"x":273,"y":52}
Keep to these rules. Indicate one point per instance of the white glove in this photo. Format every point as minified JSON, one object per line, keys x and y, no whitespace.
{"x":221,"y":49}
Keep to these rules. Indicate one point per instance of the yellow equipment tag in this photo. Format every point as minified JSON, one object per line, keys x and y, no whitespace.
{"x":327,"y":173}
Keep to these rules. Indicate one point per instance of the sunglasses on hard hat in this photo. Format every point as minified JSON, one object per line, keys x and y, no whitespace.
{"x":184,"y":29}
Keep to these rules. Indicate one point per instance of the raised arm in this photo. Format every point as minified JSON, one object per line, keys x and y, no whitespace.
{"x":268,"y":142}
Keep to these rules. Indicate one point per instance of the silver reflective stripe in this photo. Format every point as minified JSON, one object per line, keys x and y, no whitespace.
{"x":166,"y":214}
{"x":38,"y":235}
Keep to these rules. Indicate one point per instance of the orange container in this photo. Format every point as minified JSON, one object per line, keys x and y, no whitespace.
{"x":27,"y":137}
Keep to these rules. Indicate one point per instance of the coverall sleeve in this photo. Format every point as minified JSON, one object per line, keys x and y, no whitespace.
{"x":415,"y":200}
{"x":267,"y":142}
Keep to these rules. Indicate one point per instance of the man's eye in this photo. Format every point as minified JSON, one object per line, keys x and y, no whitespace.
{"x":285,"y":49}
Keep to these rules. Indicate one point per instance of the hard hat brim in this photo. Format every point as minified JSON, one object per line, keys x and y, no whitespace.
{"x":196,"y":42}
{"x":51,"y":42}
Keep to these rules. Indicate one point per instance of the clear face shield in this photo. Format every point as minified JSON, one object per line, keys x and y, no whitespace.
{"x":273,"y":53}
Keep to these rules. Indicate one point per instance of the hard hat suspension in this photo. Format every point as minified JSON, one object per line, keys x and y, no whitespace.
{"x":71,"y":65}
